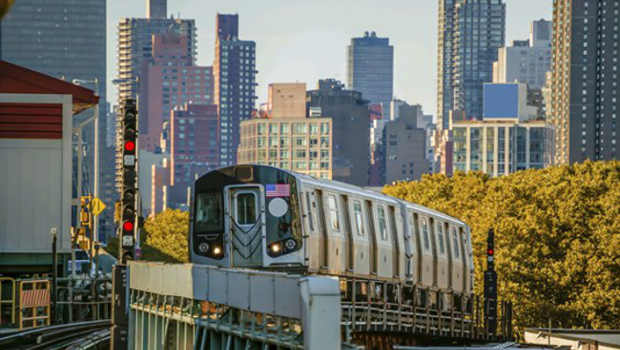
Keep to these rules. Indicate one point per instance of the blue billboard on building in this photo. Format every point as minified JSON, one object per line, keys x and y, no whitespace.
{"x":501,"y":101}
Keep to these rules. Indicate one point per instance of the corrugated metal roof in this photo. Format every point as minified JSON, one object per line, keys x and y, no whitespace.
{"x":16,"y":79}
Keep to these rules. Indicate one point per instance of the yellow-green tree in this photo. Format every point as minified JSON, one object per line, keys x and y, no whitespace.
{"x":168,"y":233}
{"x":557,"y":237}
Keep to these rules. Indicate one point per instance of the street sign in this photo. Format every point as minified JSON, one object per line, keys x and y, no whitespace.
{"x":96,"y":206}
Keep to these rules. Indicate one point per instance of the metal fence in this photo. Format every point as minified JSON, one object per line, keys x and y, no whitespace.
{"x":30,"y":303}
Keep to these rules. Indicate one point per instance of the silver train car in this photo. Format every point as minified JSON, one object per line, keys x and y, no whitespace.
{"x":262,"y":217}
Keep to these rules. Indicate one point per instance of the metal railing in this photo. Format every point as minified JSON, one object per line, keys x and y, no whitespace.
{"x":83,"y":298}
{"x":7,"y":301}
{"x":380,"y":306}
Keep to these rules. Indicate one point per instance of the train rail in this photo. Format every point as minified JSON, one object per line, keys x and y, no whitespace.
{"x":82,"y":335}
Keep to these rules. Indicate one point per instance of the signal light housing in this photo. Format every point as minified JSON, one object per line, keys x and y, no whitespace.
{"x":128,"y":178}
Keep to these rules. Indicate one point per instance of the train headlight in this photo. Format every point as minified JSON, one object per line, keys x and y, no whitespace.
{"x":275,"y":248}
{"x":217,"y":250}
{"x":290,"y":244}
{"x":203,"y":247}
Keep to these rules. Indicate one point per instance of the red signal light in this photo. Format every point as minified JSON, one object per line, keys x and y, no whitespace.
{"x":130,"y":146}
{"x":128,"y":226}
{"x":490,"y":251}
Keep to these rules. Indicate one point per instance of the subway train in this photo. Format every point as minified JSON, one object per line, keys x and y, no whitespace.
{"x":261,"y":217}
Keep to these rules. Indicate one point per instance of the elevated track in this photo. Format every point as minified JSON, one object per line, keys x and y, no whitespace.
{"x":79,"y":335}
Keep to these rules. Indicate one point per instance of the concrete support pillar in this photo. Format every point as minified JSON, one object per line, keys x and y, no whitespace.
{"x":321,"y":313}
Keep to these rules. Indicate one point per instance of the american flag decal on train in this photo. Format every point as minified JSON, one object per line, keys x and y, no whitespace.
{"x":279,"y":190}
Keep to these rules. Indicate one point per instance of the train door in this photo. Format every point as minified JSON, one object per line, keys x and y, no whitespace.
{"x":372,"y":236}
{"x":313,"y":240}
{"x":427,"y":267}
{"x":348,"y":234}
{"x":457,"y":271}
{"x":469,"y":259}
{"x":361,"y":248}
{"x":335,"y":233}
{"x":413,"y":264}
{"x":245,"y":208}
{"x":384,"y":243}
{"x":442,"y":265}
{"x":396,"y":244}
{"x":322,"y":227}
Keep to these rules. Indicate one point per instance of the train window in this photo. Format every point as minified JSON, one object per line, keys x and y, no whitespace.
{"x":310,"y":219}
{"x":455,"y":243}
{"x":440,"y":234}
{"x":382,"y":225}
{"x":209,"y":213}
{"x":333,"y":212}
{"x":357,"y":212}
{"x":427,"y":245}
{"x":246,"y":208}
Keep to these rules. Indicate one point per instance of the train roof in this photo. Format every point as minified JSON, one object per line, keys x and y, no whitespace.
{"x":340,"y":186}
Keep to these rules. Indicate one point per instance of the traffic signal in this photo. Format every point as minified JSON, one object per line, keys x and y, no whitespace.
{"x":128,"y":188}
{"x":490,"y":286}
{"x":490,"y":249}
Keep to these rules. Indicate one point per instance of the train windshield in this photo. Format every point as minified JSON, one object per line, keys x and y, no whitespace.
{"x":209,"y":214}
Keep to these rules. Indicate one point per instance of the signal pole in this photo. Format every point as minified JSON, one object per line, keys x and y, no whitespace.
{"x":128,"y":222}
{"x":490,"y":287}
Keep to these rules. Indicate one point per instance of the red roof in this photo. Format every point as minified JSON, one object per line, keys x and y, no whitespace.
{"x":15,"y":79}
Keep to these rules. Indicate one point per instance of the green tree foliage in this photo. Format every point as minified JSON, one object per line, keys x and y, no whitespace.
{"x":164,"y":238}
{"x":168,"y":233}
{"x":557,"y":239}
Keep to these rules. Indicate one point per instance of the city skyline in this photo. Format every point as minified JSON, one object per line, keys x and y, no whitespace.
{"x":331,"y":34}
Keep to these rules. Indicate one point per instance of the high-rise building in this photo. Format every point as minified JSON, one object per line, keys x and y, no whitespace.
{"x":135,"y":47}
{"x":499,"y":147}
{"x":234,"y":72}
{"x":170,"y":79}
{"x":470,"y":32}
{"x":287,"y":100}
{"x":350,"y":116}
{"x":194,"y":146}
{"x":405,"y":146}
{"x":509,"y":138}
{"x":285,"y":137}
{"x":526,"y":61}
{"x":156,"y":8}
{"x":370,"y":68}
{"x":584,"y":93}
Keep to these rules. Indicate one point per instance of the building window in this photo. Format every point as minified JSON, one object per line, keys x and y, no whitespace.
{"x":299,"y":128}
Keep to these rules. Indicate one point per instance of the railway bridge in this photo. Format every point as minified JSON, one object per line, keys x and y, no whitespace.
{"x":190,"y":306}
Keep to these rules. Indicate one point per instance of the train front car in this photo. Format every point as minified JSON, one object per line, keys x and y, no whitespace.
{"x":246,"y":216}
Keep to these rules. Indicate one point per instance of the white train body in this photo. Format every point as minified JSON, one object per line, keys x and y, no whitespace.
{"x":263,"y":217}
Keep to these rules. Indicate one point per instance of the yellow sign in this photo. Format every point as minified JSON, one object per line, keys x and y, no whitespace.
{"x":96,"y":206}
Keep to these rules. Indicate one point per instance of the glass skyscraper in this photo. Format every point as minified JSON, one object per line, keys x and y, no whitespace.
{"x":370,"y":68}
{"x":470,"y":32}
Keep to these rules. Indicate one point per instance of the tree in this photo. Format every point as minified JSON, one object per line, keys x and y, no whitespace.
{"x":168,"y":233}
{"x":557,"y":238}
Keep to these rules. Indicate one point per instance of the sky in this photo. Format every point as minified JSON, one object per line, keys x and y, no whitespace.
{"x":303,"y":41}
